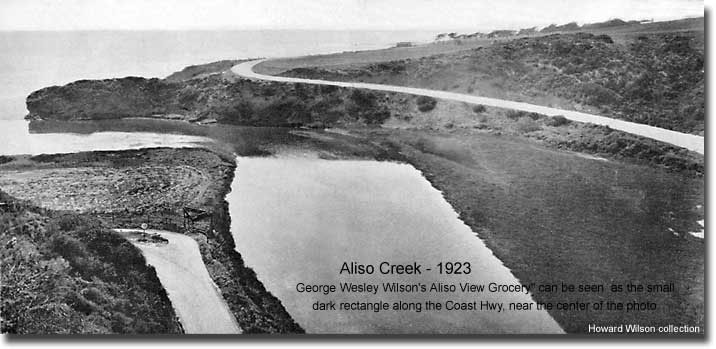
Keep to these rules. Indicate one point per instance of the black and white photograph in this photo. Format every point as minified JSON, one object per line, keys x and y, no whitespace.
{"x":371,"y":168}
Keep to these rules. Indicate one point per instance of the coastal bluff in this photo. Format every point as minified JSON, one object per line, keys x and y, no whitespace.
{"x":208,"y":96}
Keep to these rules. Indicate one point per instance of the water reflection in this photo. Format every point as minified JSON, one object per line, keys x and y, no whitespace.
{"x":296,"y":220}
{"x":38,"y":137}
{"x":17,"y":139}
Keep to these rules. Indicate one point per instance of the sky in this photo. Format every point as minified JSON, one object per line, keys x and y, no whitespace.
{"x":328,"y":14}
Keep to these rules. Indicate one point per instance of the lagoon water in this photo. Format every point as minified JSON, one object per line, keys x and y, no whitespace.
{"x":17,"y":139}
{"x":296,"y":219}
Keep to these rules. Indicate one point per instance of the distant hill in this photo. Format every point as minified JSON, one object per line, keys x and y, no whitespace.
{"x":527,"y":31}
{"x":609,"y":24}
{"x":608,"y":27}
{"x":572,"y":26}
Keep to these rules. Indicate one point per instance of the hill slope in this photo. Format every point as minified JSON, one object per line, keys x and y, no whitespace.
{"x":65,"y":274}
{"x":656,"y":79}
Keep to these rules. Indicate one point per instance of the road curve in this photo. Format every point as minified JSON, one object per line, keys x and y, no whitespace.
{"x":684,"y":140}
{"x":196,"y":299}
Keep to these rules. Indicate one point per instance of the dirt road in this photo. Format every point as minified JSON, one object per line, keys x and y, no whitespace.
{"x":196,"y":299}
{"x":684,"y":140}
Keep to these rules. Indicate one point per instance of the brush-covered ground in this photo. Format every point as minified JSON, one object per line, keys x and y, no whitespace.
{"x":123,"y":189}
{"x":619,"y":30}
{"x":654,"y":78}
{"x":65,"y":273}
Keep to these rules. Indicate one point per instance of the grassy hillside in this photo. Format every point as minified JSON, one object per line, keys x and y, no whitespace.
{"x":197,"y":71}
{"x":65,"y":273}
{"x":655,"y":78}
{"x":619,"y":30}
{"x":279,"y":65}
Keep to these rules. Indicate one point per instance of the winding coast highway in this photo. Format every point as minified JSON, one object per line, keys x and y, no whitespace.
{"x":689,"y":141}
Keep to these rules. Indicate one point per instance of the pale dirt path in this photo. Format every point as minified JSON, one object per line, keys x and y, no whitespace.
{"x":684,"y":140}
{"x":196,"y":299}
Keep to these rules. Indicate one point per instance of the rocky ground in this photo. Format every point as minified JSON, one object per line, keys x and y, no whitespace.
{"x":108,"y":190}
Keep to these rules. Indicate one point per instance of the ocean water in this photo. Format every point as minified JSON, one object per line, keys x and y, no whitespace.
{"x":33,"y":60}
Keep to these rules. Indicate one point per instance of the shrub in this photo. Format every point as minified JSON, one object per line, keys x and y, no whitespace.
{"x":69,"y":221}
{"x":363,"y":99}
{"x":426,"y":103}
{"x":604,"y":38}
{"x":596,"y":94}
{"x":80,"y":303}
{"x":557,"y":120}
{"x":268,"y":91}
{"x":376,"y":116}
{"x":290,"y":112}
{"x":514,"y":114}
{"x":93,"y":294}
{"x":187,"y":98}
{"x":67,"y":246}
{"x":237,"y":113}
{"x":479,"y":109}
{"x":327,"y":89}
{"x":526,"y":125}
{"x":365,"y":106}
{"x":395,"y":67}
{"x":534,"y":116}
